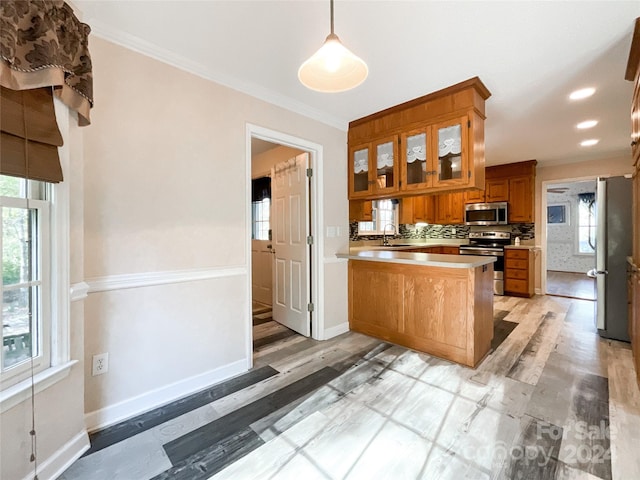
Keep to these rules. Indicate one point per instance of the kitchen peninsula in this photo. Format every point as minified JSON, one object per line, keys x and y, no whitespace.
{"x":435,"y":303}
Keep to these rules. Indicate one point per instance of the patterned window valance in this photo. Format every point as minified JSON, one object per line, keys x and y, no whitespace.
{"x":43,"y":44}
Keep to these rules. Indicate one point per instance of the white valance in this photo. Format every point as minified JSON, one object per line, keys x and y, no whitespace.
{"x":417,"y":148}
{"x":384,"y":155}
{"x":449,"y":141}
{"x":361,"y":161}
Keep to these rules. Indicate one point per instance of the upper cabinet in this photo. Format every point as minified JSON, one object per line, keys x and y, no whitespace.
{"x":431,"y":144}
{"x":373,"y":168}
{"x":513,"y":183}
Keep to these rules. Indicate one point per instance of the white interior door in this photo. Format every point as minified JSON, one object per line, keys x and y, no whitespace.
{"x":261,"y":271}
{"x":290,"y":200}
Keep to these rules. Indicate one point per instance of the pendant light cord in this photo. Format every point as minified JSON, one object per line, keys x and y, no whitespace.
{"x":34,"y":441}
{"x":331,"y":8}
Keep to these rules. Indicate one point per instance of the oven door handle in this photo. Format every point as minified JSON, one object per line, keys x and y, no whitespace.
{"x":482,"y":253}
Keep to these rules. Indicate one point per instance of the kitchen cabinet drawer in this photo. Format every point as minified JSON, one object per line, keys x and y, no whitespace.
{"x":515,"y":263}
{"x":521,"y":254}
{"x":516,"y":286}
{"x":517,"y":274}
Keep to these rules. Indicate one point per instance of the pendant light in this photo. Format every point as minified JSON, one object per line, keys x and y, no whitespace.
{"x":333,"y":68}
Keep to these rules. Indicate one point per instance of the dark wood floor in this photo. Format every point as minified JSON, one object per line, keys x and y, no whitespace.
{"x":571,"y":285}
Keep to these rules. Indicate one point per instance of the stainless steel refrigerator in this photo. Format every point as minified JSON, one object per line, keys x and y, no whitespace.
{"x":613,"y":246}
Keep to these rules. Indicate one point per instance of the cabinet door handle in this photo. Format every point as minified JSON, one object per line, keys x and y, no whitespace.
{"x":634,"y":143}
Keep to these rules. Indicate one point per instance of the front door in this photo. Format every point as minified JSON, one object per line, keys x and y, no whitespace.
{"x":290,"y":197}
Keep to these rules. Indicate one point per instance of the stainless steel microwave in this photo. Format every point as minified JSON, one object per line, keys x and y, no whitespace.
{"x":486,"y":214}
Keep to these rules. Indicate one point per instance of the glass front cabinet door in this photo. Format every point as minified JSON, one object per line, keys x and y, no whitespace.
{"x":415,"y":170}
{"x":359,"y":167}
{"x":450,"y":153}
{"x":386,"y":165}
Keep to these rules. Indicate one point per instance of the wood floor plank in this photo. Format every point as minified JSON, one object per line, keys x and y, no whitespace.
{"x":533,"y":358}
{"x":281,"y":335}
{"x":116,"y":433}
{"x":535,"y":454}
{"x":240,"y":419}
{"x":209,"y":461}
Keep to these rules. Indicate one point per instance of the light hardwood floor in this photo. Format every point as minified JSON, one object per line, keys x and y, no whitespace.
{"x":553,"y":400}
{"x":573,"y":285}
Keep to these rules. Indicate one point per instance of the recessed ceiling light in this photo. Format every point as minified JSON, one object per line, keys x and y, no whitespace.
{"x":589,"y":143}
{"x":587,"y":124}
{"x":582,"y":93}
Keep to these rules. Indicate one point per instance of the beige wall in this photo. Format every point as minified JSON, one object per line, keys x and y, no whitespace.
{"x":59,"y":409}
{"x":165,"y":191}
{"x":572,"y":171}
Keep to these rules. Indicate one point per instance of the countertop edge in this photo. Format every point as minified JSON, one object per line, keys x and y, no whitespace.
{"x":420,"y":259}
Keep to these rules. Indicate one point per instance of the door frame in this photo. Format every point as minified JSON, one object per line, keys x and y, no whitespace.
{"x":316,"y":265}
{"x":543,"y":221}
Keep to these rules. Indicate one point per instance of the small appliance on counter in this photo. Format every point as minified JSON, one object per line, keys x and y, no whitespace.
{"x":490,"y":244}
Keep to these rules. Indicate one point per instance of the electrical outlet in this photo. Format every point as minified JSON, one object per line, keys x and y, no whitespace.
{"x":100,"y":364}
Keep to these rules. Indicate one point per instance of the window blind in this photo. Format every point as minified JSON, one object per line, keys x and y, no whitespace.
{"x":29,"y":135}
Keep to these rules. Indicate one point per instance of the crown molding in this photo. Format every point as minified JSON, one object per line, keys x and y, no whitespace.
{"x":151,"y":50}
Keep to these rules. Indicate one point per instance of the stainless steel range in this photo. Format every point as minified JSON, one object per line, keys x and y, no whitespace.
{"x":490,"y":244}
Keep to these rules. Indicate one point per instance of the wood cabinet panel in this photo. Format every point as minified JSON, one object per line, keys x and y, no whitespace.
{"x":497,"y":190}
{"x":360,"y":211}
{"x":432,"y":308}
{"x":447,"y":312}
{"x":417,"y":209}
{"x":451,"y":250}
{"x":383,"y":309}
{"x":449,"y":208}
{"x":521,"y":199}
{"x":474,"y":196}
{"x":633,"y":74}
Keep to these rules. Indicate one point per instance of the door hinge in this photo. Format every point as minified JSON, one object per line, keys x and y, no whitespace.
{"x":469,"y":123}
{"x":468,"y":173}
{"x":310,"y":307}
{"x":310,"y":240}
{"x":309,"y":172}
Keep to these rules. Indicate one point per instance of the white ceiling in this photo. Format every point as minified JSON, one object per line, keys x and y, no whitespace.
{"x":530,"y":55}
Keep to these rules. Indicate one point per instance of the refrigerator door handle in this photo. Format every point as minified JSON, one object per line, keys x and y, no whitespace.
{"x":593,"y":273}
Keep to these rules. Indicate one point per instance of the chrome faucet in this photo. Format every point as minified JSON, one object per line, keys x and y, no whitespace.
{"x":385,"y":240}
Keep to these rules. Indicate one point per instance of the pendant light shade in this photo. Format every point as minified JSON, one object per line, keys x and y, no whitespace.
{"x":333,"y":68}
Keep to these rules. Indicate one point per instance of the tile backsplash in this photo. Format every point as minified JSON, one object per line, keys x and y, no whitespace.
{"x":526,"y":231}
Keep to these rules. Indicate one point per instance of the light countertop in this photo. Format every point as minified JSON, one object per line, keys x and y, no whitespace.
{"x":523,"y":247}
{"x":423,"y":259}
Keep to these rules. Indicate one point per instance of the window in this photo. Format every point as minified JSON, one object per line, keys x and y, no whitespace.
{"x":260,"y":212}
{"x":587,"y":223}
{"x":384,"y":219}
{"x":26,"y":292}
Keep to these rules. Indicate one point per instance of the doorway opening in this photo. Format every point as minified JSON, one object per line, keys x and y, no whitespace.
{"x":285,"y":301}
{"x":570,"y":220}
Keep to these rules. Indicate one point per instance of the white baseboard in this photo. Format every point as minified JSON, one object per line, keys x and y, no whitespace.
{"x":56,"y":464}
{"x":160,"y":396}
{"x":335,"y":331}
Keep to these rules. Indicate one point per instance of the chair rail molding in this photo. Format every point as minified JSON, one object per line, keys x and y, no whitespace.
{"x":149,"y":279}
